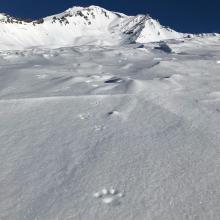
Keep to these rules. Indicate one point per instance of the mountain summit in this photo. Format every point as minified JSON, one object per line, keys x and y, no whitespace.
{"x":81,"y":26}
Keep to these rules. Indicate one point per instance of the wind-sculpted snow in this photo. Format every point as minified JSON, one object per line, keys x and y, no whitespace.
{"x":111,"y":132}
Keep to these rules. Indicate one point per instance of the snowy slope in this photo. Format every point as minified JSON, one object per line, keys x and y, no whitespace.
{"x":80,"y":26}
{"x":126,"y":132}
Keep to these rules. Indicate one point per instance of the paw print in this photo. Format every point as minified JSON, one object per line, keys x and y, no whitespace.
{"x":84,"y":116}
{"x":99,"y":127}
{"x":109,"y":196}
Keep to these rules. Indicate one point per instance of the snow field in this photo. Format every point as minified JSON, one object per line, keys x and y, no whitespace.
{"x":84,"y":136}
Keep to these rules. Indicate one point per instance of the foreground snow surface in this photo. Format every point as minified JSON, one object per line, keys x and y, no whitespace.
{"x":111,"y":133}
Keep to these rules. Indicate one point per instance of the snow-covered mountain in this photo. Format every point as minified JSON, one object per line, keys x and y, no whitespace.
{"x":81,"y":26}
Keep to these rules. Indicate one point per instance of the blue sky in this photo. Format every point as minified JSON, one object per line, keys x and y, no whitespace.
{"x":187,"y":15}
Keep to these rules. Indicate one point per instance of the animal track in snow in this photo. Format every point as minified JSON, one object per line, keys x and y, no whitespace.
{"x":99,"y":127}
{"x":84,"y":116}
{"x":109,"y":196}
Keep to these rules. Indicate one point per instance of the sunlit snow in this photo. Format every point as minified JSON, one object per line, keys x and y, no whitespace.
{"x":111,"y":132}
